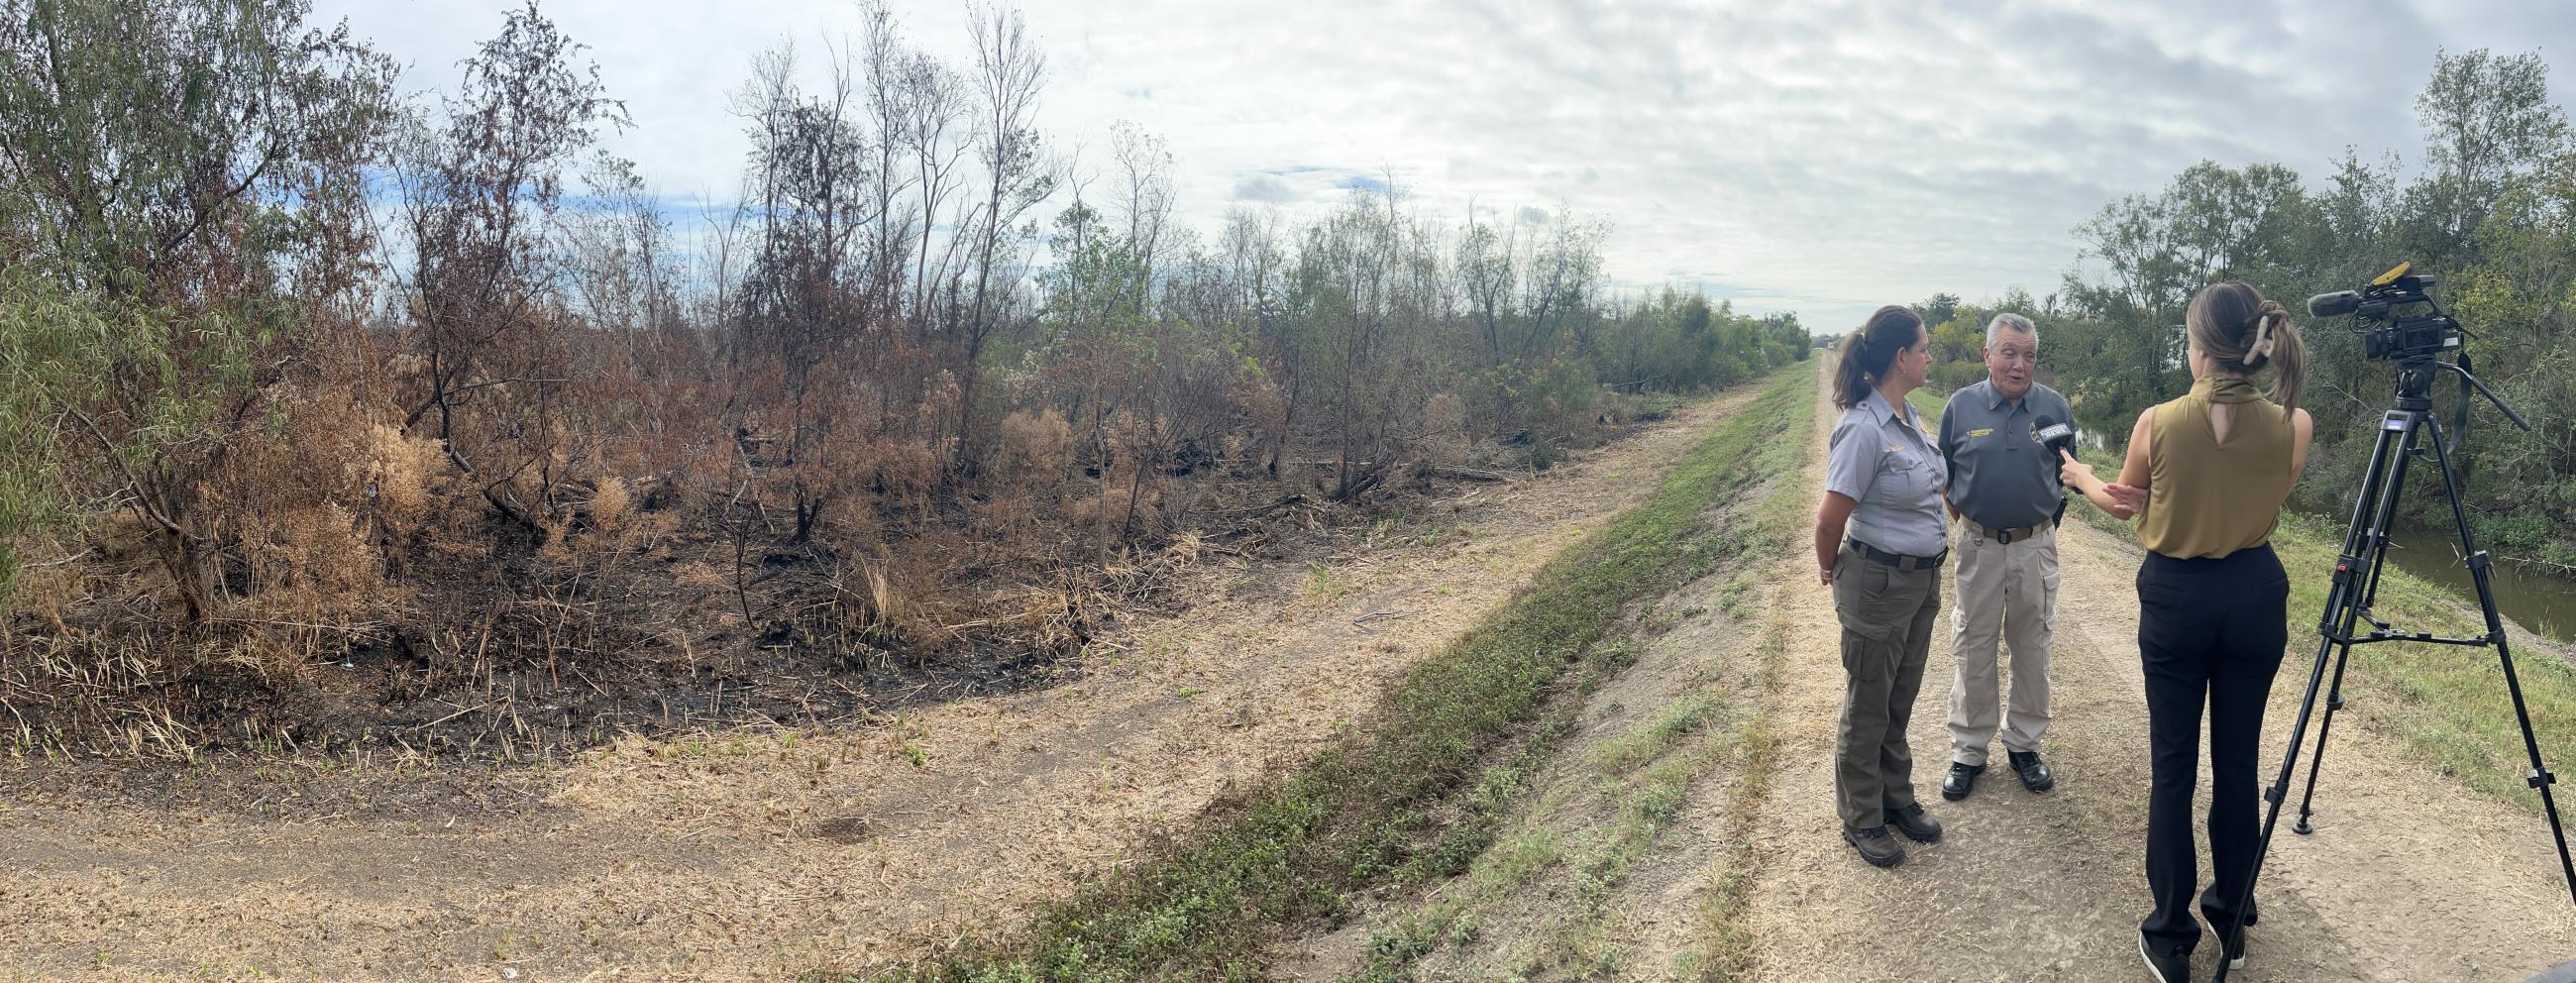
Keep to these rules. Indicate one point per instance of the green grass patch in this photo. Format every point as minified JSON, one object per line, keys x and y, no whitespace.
{"x":1641,"y":779}
{"x":1677,"y":720}
{"x":1400,"y":785}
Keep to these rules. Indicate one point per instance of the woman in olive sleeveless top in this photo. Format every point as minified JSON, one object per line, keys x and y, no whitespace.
{"x":2206,"y":476}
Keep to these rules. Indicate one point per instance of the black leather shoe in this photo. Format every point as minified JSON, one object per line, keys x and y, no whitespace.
{"x":2165,"y":967}
{"x":1875,"y":846}
{"x":1915,"y":824}
{"x":2034,"y":772}
{"x":1962,"y":780}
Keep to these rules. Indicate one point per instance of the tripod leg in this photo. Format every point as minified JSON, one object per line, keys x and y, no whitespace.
{"x":2373,"y":547}
{"x":2371,"y":513}
{"x":2325,"y":727}
{"x":2540,"y":779}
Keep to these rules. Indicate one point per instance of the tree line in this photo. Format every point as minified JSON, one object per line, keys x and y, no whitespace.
{"x":298,"y":366}
{"x":2488,"y":205}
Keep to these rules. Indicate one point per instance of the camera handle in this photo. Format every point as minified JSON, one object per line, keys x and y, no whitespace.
{"x":2469,"y":381}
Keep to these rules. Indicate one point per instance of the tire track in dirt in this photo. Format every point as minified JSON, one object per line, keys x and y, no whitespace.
{"x":2412,"y":875}
{"x":748,"y":855}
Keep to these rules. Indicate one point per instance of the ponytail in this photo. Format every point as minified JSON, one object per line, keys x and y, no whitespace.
{"x":2243,"y":332}
{"x":1868,"y":352}
{"x":2280,"y":343}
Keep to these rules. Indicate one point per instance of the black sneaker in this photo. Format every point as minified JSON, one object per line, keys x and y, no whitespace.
{"x":2034,"y":772}
{"x":1962,"y":780}
{"x":2235,"y":940}
{"x":1915,"y":824}
{"x":1875,"y":846}
{"x":2165,"y":967}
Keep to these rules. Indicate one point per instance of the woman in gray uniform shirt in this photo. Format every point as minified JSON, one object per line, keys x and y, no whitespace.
{"x":1883,"y":479}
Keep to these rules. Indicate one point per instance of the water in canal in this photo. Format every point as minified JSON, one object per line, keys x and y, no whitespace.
{"x":2536,"y":597}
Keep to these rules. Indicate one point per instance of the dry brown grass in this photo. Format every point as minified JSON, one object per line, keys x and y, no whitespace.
{"x":405,"y":475}
{"x":1036,"y":446}
{"x":636,"y":507}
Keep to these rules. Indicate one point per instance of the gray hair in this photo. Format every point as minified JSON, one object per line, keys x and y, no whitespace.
{"x":2013,"y":321}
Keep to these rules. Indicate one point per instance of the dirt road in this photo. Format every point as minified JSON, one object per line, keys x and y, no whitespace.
{"x":758,"y":855}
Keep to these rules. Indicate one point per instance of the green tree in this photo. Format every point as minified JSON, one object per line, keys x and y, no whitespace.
{"x":185,"y":186}
{"x":1940,"y":307}
{"x":2486,"y":119}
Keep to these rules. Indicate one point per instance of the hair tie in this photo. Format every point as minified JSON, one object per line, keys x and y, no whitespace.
{"x":2266,"y":319}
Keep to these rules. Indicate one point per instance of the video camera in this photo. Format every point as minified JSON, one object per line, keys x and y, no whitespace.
{"x":2404,"y":335}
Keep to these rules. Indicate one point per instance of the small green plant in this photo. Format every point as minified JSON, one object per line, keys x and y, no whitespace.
{"x":1323,"y":583}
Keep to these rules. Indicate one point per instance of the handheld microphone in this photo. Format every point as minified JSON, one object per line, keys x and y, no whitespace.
{"x":2052,"y":434}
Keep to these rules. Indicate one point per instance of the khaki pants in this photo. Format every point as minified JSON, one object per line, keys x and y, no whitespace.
{"x":2005,"y":592}
{"x":1887,"y":617}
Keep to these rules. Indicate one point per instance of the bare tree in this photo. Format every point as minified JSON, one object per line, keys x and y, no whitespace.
{"x":1144,"y":164}
{"x":1009,"y":69}
{"x":1485,"y":266}
{"x":807,"y":294}
{"x":477,"y":196}
{"x":935,"y":105}
{"x":884,"y":65}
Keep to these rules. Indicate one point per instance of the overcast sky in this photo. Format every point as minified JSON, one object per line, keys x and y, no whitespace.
{"x":1823,"y":157}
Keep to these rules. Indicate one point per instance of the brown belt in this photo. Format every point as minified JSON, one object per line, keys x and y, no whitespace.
{"x":2003,"y":536}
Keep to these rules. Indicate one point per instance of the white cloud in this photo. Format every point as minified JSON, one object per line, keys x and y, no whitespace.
{"x":1265,"y":189}
{"x":1826,"y":156}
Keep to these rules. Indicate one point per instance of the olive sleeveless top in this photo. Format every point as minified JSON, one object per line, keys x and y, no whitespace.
{"x":2206,"y":499}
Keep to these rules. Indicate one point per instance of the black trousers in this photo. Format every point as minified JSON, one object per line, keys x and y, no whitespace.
{"x":2210,"y":632}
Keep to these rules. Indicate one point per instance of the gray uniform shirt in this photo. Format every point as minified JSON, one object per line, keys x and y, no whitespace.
{"x":2000,"y":476}
{"x":1885,"y":462}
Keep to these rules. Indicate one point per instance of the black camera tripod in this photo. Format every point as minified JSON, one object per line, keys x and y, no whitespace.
{"x":2356,"y":587}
